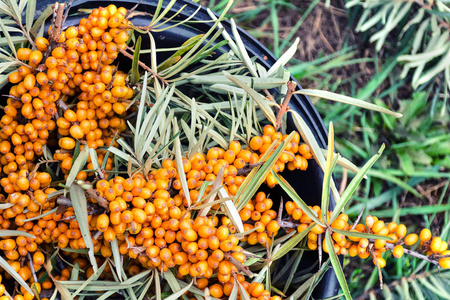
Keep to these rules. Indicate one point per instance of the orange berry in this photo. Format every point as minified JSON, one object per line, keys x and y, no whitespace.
{"x":401,"y":231}
{"x":425,"y":235}
{"x":397,"y":251}
{"x":411,"y":239}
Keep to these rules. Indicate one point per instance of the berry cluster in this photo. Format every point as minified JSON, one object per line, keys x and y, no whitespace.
{"x":396,"y":236}
{"x":68,"y":90}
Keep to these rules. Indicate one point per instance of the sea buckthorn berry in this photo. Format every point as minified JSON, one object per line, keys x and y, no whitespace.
{"x":411,"y":239}
{"x":67,"y":143}
{"x":397,"y":251}
{"x":377,"y":226}
{"x":425,"y":235}
{"x":381,"y":262}
{"x":24,"y":54}
{"x":401,"y":231}
{"x":36,"y":57}
{"x":102,"y":222}
{"x":435,"y":244}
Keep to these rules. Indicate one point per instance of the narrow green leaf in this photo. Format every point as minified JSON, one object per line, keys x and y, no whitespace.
{"x":242,"y":291}
{"x":347,"y":100}
{"x":135,"y":64}
{"x":117,"y":258}
{"x":284,"y":58}
{"x":93,"y":277}
{"x":157,"y":286}
{"x":337,"y":266}
{"x":31,"y":8}
{"x":177,"y":294}
{"x":146,"y":287}
{"x":5,"y":266}
{"x":8,"y":38}
{"x":263,"y":103}
{"x":292,"y":242}
{"x":179,"y":163}
{"x":8,"y":233}
{"x":6,"y":205}
{"x":308,"y":136}
{"x":231,"y":210}
{"x":78,"y":165}
{"x":257,"y":176}
{"x":329,"y":167}
{"x":296,"y":198}
{"x":351,"y":188}
{"x":79,"y":204}
{"x":40,"y":20}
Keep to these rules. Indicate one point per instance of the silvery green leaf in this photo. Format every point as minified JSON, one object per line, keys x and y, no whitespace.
{"x":78,"y":165}
{"x":347,"y":100}
{"x":79,"y":204}
{"x":255,"y":82}
{"x":117,"y":258}
{"x":284,"y":59}
{"x":417,"y":19}
{"x":243,"y":55}
{"x":309,"y":138}
{"x":264,"y":104}
{"x":7,"y":268}
{"x":179,"y":163}
{"x":232,"y":212}
{"x":31,"y":8}
{"x":343,"y":162}
{"x":6,"y":205}
{"x":425,"y":56}
{"x":225,"y":89}
{"x":177,"y":291}
{"x":9,"y":233}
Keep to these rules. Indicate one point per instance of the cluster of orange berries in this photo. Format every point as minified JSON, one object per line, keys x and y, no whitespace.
{"x":78,"y":64}
{"x":396,"y":235}
{"x":148,"y":215}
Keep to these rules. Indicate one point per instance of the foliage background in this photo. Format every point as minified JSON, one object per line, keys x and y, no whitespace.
{"x":392,"y":53}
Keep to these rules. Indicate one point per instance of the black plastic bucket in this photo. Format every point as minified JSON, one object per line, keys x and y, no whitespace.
{"x":308,"y":184}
